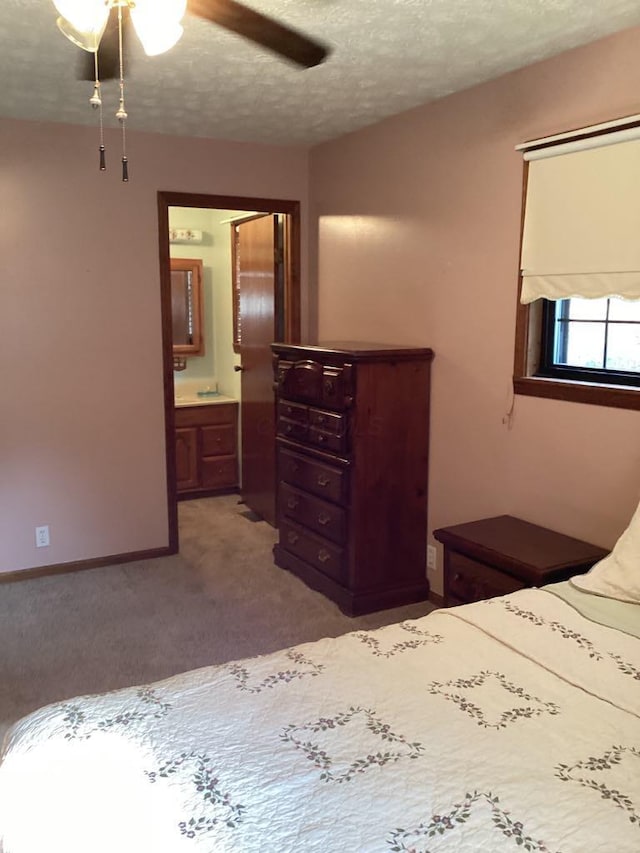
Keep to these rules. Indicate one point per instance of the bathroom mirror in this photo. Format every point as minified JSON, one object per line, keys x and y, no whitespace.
{"x":186,"y":309}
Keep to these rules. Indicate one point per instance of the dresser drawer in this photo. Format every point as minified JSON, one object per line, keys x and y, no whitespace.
{"x":334,"y":387}
{"x":468,"y":580}
{"x":310,"y":382}
{"x":328,"y":421}
{"x":328,"y":430}
{"x":292,"y":429}
{"x":325,"y":518}
{"x":318,"y":552}
{"x":218,"y":440}
{"x":293,"y":411}
{"x":219,"y":472}
{"x":327,"y":440}
{"x":321,"y":479}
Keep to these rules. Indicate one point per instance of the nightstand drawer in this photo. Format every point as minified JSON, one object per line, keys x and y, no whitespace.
{"x":468,"y":580}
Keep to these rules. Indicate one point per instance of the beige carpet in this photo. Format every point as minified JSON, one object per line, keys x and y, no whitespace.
{"x":220,"y":599}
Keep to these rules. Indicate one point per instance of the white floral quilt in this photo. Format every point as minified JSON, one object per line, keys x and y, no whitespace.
{"x":511,"y":724}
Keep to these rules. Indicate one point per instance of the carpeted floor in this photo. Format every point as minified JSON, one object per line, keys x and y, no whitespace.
{"x":220,"y":599}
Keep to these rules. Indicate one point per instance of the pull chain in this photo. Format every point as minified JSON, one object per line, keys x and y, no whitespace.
{"x":96,"y":102}
{"x":121,"y":115}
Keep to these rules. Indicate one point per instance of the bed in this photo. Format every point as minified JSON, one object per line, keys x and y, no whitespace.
{"x":510,"y":724}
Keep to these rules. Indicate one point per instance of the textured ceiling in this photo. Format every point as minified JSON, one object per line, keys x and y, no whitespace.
{"x":387,"y":56}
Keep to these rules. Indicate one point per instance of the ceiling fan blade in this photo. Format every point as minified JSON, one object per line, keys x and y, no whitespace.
{"x":108,"y":52}
{"x":258,"y":28}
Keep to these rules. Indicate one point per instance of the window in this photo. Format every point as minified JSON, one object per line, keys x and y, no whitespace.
{"x":578,"y":323}
{"x":591,"y":340}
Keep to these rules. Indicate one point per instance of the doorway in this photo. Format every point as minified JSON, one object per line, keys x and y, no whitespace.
{"x":280,"y":320}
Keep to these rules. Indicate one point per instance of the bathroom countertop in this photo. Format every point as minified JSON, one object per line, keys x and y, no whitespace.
{"x":182,"y":400}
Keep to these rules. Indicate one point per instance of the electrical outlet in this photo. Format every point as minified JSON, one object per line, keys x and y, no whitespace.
{"x":432,"y":557}
{"x":42,"y":536}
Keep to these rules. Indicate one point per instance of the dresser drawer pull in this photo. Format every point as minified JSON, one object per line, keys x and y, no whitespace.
{"x":292,"y":537}
{"x":292,"y":503}
{"x":322,"y":438}
{"x":324,"y":519}
{"x":293,"y":467}
{"x":288,"y":429}
{"x":288,"y":410}
{"x":321,"y":419}
{"x":457,"y":577}
{"x":329,"y":386}
{"x":323,"y":555}
{"x":323,"y":480}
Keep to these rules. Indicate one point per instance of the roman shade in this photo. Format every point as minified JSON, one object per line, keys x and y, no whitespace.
{"x":581,"y":235}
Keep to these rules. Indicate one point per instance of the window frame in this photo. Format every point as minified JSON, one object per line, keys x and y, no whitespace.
{"x":527,"y":354}
{"x":550,"y":368}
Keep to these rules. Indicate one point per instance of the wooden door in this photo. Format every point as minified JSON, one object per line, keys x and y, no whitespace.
{"x":257,"y":275}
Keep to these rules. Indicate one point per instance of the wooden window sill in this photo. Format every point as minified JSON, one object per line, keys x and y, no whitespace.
{"x":618,"y":396}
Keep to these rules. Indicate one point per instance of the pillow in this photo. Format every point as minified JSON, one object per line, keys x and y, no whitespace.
{"x":617,"y":575}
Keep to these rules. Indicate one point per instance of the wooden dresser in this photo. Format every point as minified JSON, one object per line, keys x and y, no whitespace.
{"x":352,"y":471}
{"x":206,"y":449}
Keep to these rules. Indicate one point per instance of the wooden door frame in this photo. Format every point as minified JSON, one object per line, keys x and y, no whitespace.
{"x":291,"y":304}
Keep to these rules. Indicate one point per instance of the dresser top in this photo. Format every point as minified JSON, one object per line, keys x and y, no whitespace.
{"x":355,"y":350}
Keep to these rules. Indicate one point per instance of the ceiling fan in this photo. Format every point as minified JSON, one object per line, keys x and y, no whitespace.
{"x":94,"y":26}
{"x":100,"y":28}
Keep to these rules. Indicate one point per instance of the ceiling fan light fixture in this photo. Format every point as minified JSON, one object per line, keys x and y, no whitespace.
{"x":80,"y":20}
{"x":157,"y":39}
{"x":88,"y":40}
{"x":157,"y":23}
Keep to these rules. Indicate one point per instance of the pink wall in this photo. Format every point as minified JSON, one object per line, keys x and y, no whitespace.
{"x":417,"y":223}
{"x":82,"y":424}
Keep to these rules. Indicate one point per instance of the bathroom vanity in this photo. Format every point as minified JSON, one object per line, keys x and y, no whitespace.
{"x":206,"y":445}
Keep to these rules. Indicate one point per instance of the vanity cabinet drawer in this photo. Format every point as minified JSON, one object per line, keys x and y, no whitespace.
{"x":203,"y":415}
{"x":468,"y":580}
{"x":219,"y":440}
{"x":217,"y":472}
{"x":315,"y":550}
{"x":322,"y":517}
{"x":323,"y":480}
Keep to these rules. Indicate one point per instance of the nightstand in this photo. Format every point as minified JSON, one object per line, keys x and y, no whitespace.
{"x":496,"y":556}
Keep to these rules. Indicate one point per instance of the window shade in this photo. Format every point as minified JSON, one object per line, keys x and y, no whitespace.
{"x":582,"y":219}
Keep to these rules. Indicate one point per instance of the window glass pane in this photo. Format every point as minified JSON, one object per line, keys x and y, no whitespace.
{"x":624,"y":309}
{"x":584,"y":345}
{"x":587,"y":309}
{"x":623,"y":349}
